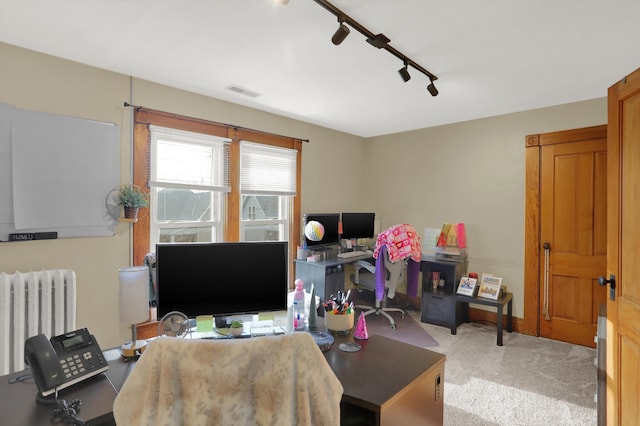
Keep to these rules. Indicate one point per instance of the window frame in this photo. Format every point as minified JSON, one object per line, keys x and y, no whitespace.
{"x":144,"y":117}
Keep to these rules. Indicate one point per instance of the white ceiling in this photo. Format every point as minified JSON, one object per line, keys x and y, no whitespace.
{"x":492,"y":57}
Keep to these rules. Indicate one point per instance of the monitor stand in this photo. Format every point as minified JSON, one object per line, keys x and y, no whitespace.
{"x":223,"y":322}
{"x":320,"y":248}
{"x":220,"y":322}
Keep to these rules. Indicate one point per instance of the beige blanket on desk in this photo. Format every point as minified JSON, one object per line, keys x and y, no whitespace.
{"x":274,"y":380}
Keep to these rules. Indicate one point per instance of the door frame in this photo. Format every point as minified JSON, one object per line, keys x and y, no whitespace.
{"x":532,"y":243}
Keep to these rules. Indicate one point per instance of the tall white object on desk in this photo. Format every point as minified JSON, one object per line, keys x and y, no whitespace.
{"x":134,"y":304}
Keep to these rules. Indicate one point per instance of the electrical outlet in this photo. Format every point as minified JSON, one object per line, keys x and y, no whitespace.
{"x":438,"y":386}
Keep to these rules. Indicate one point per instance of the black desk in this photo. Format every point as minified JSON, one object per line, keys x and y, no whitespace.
{"x":506,"y":299}
{"x":389,"y":383}
{"x":386,"y":383}
{"x":327,"y":275}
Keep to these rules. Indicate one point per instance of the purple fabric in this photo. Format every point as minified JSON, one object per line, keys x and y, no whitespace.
{"x":380,"y":273}
{"x":413,"y":272}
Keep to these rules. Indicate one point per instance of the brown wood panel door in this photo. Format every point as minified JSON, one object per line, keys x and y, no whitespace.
{"x":573,"y":223}
{"x":623,"y":312}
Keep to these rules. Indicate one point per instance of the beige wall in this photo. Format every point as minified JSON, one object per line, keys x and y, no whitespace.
{"x":471,"y":172}
{"x":33,"y":81}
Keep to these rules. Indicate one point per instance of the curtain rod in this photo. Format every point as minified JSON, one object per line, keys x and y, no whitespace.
{"x":231,"y":126}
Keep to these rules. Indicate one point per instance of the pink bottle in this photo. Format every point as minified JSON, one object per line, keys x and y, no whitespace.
{"x":298,"y":306}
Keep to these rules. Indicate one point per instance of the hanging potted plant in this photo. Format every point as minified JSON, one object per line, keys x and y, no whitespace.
{"x":131,"y":197}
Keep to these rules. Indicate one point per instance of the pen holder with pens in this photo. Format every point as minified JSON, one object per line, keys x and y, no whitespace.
{"x":339,"y":313}
{"x":340,"y":322}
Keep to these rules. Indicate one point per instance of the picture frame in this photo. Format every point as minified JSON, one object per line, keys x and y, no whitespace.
{"x":490,"y":287}
{"x":467,"y":286}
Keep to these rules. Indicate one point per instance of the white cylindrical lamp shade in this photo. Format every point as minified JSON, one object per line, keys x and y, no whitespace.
{"x":134,"y":294}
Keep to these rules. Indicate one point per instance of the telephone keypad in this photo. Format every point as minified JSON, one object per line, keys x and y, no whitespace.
{"x":74,"y":365}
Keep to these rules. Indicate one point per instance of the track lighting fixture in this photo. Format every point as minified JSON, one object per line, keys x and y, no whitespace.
{"x":404,"y":72}
{"x":341,"y":33}
{"x":432,"y":88}
{"x":377,"y":40}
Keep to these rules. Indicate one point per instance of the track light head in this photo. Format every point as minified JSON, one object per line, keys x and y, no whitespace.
{"x":404,"y":72}
{"x":341,"y":33}
{"x":432,"y":88}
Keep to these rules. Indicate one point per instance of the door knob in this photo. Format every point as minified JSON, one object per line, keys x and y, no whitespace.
{"x":612,"y":285}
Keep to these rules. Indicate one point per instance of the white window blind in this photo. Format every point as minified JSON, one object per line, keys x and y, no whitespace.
{"x":267,"y":170}
{"x":181,"y":159}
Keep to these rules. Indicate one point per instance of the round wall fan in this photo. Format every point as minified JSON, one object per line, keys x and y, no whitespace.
{"x":174,"y":324}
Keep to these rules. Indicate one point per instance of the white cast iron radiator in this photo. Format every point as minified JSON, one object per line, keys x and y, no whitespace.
{"x":32,"y":303}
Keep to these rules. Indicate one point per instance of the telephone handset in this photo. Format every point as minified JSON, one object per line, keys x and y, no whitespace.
{"x":64,"y":360}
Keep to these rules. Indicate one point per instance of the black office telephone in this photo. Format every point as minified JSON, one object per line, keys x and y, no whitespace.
{"x":63,"y":360}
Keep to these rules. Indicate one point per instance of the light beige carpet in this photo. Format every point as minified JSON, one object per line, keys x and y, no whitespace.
{"x":530,"y":381}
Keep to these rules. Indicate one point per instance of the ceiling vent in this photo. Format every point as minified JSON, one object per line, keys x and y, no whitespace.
{"x":243,"y":91}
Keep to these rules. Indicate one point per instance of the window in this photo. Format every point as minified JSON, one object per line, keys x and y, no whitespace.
{"x":267,"y":186}
{"x":213,"y":182}
{"x":189,"y":177}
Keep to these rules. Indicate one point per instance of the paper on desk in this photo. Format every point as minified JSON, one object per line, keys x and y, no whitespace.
{"x":266,"y":316}
{"x":204,"y":323}
{"x":430,"y":239}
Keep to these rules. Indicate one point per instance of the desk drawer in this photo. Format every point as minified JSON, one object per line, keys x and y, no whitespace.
{"x":440,"y":308}
{"x":436,"y":308}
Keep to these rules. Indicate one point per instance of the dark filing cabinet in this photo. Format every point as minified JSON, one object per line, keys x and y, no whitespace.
{"x":439,"y":305}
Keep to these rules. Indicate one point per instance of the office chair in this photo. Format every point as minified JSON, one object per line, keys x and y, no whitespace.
{"x":396,"y":247}
{"x":364,"y":276}
{"x":282,"y":380}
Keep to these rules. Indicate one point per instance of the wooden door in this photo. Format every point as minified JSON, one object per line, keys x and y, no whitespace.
{"x":573,"y":226}
{"x":623,"y":312}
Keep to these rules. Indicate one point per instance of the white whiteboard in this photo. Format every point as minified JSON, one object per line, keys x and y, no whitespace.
{"x":55,"y":173}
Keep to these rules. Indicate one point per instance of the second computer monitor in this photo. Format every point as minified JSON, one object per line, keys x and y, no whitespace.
{"x":330,"y":223}
{"x":358,"y":225}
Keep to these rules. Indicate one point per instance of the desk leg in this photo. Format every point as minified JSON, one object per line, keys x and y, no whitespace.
{"x":499,"y":324}
{"x":510,"y":316}
{"x":465,"y":310}
{"x":452,"y":319}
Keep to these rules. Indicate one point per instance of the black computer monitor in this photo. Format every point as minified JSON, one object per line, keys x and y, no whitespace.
{"x":358,"y":225}
{"x":222,"y":279}
{"x":330,"y":222}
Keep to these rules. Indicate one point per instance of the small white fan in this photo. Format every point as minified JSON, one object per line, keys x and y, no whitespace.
{"x":174,"y":324}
